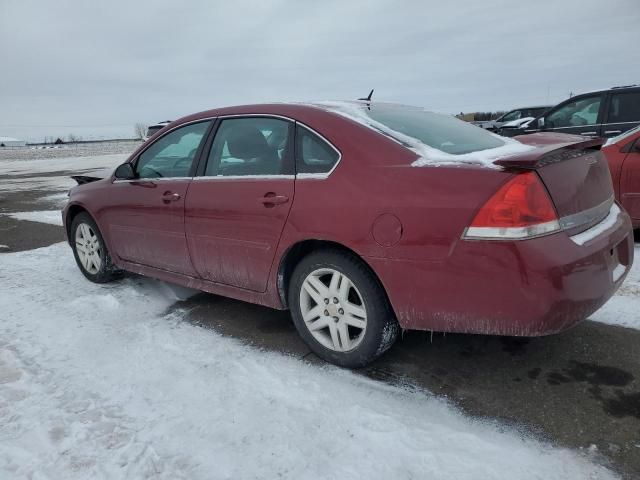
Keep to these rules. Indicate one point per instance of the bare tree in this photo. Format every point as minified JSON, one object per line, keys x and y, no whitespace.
{"x":140,"y":130}
{"x":73,"y":138}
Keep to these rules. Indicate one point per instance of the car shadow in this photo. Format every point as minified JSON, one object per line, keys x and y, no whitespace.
{"x":580,"y":388}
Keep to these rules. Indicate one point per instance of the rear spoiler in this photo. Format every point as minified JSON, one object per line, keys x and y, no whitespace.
{"x":547,"y":153}
{"x":82,"y":179}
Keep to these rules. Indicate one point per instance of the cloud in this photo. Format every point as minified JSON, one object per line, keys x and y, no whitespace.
{"x":96,"y":67}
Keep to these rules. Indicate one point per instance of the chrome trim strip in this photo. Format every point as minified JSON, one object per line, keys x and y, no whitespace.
{"x":318,"y":176}
{"x":591,"y":215}
{"x":147,"y":145}
{"x":610,"y":221}
{"x":244,"y":177}
{"x":511,"y":233}
{"x":154,"y":179}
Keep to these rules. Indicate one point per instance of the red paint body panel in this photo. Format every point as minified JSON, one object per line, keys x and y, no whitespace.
{"x":623,"y":157}
{"x":233,"y":245}
{"x":232,"y":236}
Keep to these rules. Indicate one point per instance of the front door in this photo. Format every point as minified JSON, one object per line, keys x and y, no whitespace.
{"x":630,"y":181}
{"x":623,"y":113}
{"x":579,"y":117}
{"x":145,"y":217}
{"x":237,"y":208}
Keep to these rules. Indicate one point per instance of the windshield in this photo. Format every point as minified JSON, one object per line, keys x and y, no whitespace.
{"x":442,"y":132}
{"x":512,"y":115}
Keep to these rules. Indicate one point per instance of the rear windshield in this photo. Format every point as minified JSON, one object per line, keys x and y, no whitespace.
{"x":443,"y":132}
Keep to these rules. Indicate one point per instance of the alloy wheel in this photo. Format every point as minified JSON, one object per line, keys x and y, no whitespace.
{"x":333,"y":310}
{"x":88,"y":248}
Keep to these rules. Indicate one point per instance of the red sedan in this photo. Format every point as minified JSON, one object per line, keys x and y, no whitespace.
{"x":363,"y":219}
{"x":623,"y":155}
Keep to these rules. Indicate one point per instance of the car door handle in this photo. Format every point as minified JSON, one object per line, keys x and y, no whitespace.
{"x":589,"y":133}
{"x":170,"y":197}
{"x":270,"y":199}
{"x":611,"y":132}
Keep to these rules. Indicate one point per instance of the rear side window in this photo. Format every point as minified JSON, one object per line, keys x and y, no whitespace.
{"x":250,"y":146}
{"x":313,"y":154}
{"x":624,"y":107}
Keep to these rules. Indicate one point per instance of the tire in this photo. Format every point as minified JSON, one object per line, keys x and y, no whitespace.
{"x":349,"y":321}
{"x":86,"y":241}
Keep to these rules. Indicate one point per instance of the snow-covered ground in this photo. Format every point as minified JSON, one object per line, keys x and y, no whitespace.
{"x":53,"y":217}
{"x":110,"y":382}
{"x":624,"y":308}
{"x":53,"y":173}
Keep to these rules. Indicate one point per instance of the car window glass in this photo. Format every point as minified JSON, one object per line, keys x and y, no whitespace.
{"x":173,"y":154}
{"x":515,"y":115}
{"x":624,"y":107}
{"x":583,"y":111}
{"x":249,"y":146}
{"x":313,"y":154}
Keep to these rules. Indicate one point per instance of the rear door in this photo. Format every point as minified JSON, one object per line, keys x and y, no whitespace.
{"x":623,"y":112}
{"x":578,"y":116}
{"x":630,"y":181}
{"x":145,"y":216}
{"x":238,"y":204}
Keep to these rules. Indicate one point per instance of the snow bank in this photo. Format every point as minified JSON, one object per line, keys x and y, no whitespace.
{"x":111,"y":382}
{"x":52,"y":217}
{"x":624,"y":307}
{"x":429,"y":156}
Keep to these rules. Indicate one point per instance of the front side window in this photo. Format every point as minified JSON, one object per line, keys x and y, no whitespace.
{"x":173,"y":154}
{"x":250,"y":146}
{"x":578,"y":113}
{"x":313,"y":154}
{"x":624,"y":107}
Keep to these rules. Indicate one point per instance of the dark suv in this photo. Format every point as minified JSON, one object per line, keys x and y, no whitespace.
{"x":605,"y":113}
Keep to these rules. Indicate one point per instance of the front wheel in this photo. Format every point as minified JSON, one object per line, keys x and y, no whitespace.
{"x":90,"y":250}
{"x":340,"y":309}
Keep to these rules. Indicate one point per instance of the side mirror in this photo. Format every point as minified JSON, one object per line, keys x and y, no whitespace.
{"x":541,"y":123}
{"x":125,"y":172}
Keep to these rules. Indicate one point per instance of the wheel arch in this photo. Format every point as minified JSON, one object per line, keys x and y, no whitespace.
{"x":301,"y":249}
{"x":72,"y":212}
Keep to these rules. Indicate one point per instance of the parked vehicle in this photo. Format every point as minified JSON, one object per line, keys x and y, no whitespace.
{"x":363,"y":219}
{"x":623,"y":155}
{"x":515,"y":117}
{"x":604,"y":113}
{"x":153,"y":129}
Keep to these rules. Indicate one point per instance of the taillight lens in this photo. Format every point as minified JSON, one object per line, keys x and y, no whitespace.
{"x":520,"y":209}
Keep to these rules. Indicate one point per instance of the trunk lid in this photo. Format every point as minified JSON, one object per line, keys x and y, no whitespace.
{"x":576,"y":175}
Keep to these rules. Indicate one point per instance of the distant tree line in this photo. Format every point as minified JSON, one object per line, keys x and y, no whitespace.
{"x":485,"y":116}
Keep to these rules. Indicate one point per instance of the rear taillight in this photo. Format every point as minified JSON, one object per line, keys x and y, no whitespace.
{"x":520,"y":209}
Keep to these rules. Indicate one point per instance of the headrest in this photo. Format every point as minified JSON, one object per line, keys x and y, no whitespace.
{"x":247,"y":142}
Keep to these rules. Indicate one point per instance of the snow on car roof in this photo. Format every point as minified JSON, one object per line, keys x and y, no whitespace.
{"x":428,"y":155}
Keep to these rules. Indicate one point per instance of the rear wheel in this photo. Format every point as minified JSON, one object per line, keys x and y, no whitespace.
{"x":340,"y":309}
{"x":90,"y":251}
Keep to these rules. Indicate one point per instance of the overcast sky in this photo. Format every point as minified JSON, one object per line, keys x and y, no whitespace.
{"x":95,"y":68}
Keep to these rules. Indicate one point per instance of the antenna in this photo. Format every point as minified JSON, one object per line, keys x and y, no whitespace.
{"x":368,"y":99}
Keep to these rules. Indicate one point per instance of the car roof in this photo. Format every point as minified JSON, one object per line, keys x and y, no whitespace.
{"x":612,"y":89}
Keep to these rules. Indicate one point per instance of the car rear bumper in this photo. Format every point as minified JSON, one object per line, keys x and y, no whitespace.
{"x":521,"y":288}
